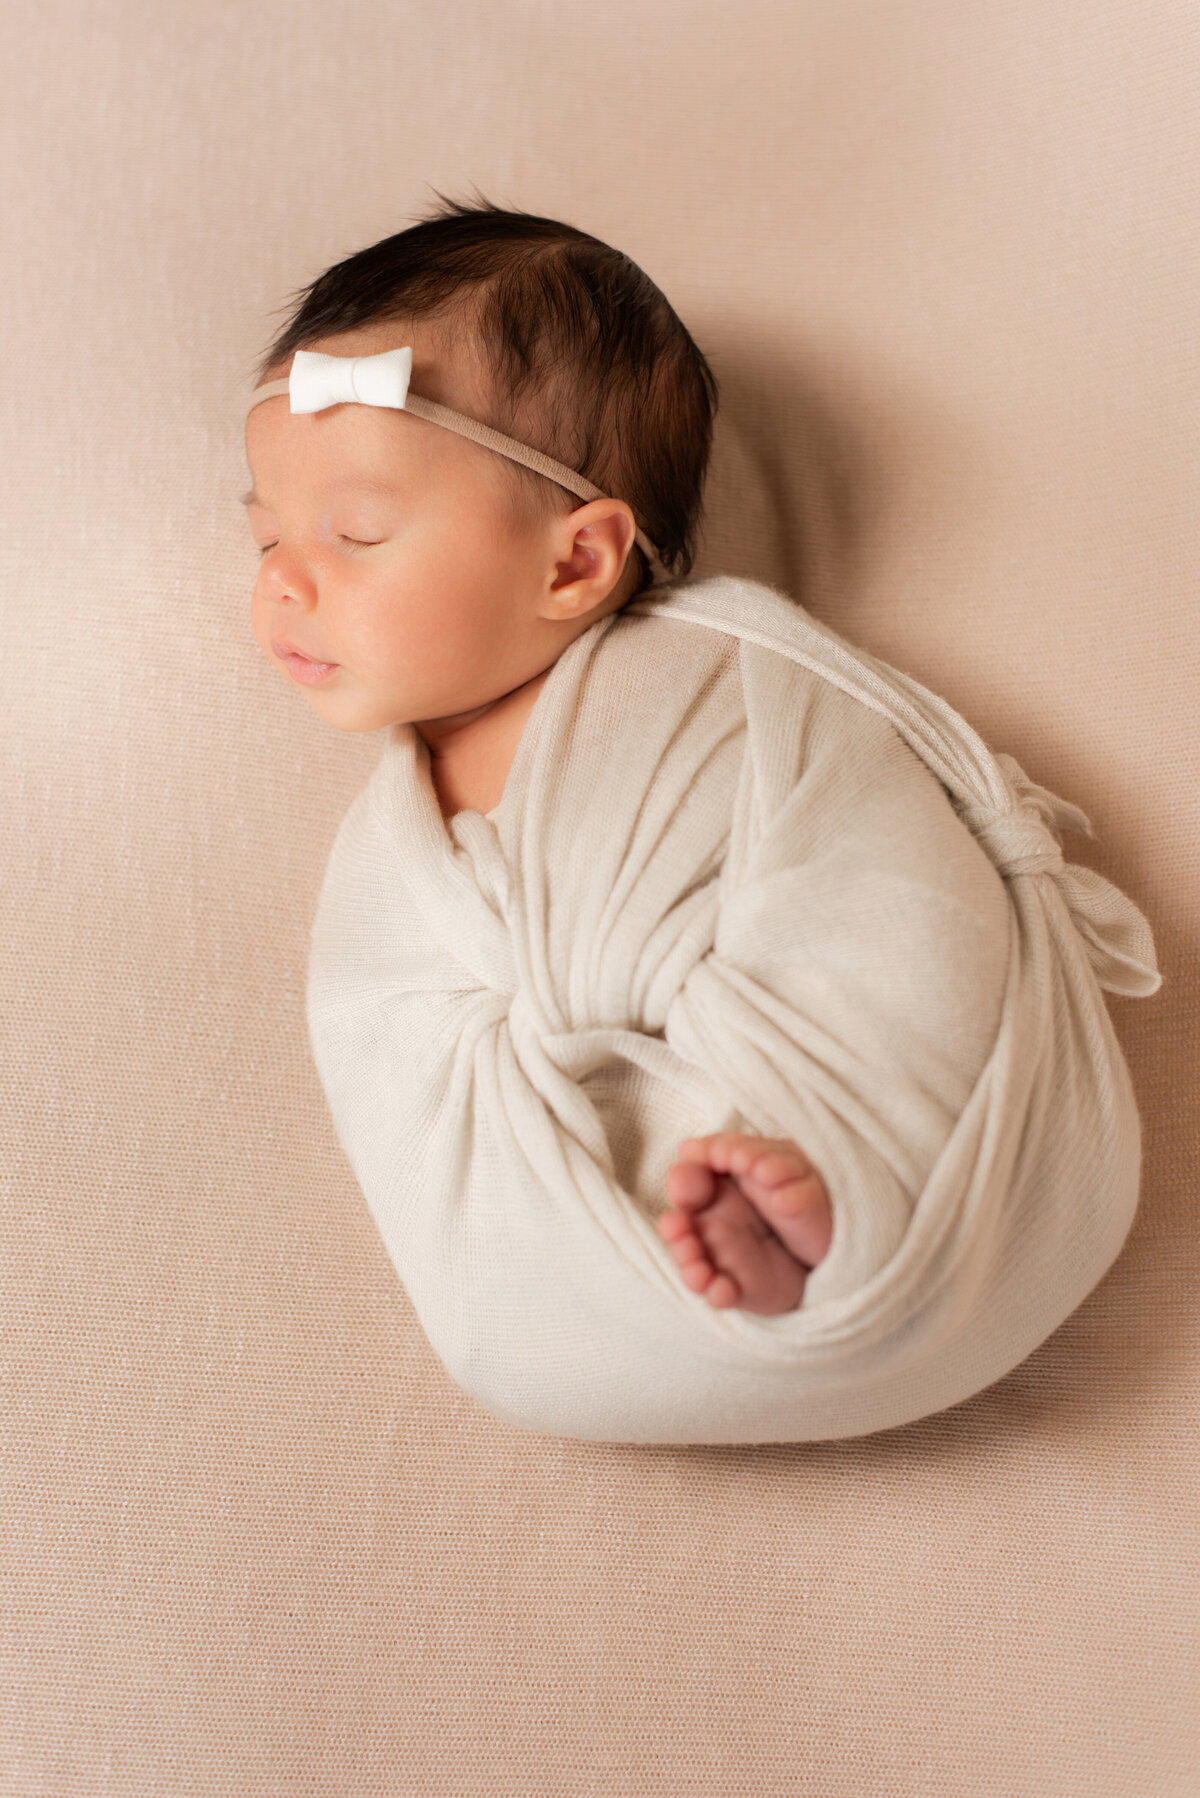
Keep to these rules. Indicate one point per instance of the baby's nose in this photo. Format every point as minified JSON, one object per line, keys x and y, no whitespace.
{"x":284,"y":581}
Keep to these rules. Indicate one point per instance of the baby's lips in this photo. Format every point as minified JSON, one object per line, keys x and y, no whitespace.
{"x":282,"y":647}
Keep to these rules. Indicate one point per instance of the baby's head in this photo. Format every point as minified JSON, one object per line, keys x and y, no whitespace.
{"x":436,"y":574}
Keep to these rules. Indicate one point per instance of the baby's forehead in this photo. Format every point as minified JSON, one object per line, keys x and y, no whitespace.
{"x":366,"y":452}
{"x":348,"y":484}
{"x":356,"y":455}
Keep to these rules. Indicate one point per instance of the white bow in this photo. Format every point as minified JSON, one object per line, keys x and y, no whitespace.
{"x":317,"y":381}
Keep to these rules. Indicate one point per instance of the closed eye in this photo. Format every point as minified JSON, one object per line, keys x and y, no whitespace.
{"x":355,"y":542}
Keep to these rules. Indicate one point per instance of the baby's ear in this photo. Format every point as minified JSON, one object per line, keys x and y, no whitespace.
{"x":594,"y":541}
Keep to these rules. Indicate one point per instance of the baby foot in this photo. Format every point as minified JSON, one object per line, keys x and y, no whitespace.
{"x":750,"y":1217}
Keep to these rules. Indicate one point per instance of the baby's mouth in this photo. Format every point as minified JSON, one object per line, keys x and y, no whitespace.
{"x":301,"y":667}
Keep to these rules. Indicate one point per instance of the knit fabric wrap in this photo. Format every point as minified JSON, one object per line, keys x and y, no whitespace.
{"x":743,"y":876}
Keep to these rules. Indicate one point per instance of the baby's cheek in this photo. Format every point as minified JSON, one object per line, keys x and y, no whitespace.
{"x":260,"y":621}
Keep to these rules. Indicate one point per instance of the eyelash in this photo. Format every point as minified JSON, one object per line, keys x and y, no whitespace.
{"x":357,"y":542}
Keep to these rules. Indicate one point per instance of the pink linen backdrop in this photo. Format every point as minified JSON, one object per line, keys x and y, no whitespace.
{"x":943,"y":260}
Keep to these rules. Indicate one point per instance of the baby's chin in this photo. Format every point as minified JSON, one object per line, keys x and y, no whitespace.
{"x":344,"y":710}
{"x":343,"y":703}
{"x":352,"y":716}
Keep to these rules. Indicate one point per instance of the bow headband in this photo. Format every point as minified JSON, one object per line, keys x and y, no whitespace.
{"x":317,"y":381}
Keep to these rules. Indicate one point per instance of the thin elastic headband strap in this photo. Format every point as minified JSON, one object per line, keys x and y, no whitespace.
{"x":494,"y":440}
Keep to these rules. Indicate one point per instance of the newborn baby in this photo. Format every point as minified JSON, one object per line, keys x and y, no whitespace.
{"x":665,"y":910}
{"x":399,"y":583}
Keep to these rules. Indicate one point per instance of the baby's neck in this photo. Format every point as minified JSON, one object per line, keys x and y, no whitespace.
{"x":470,"y":762}
{"x":470,"y":766}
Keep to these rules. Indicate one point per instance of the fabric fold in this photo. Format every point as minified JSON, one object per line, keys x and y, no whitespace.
{"x":742,"y":876}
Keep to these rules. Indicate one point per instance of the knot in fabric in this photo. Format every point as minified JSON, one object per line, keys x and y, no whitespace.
{"x":1020,"y":838}
{"x":527,"y":1024}
{"x":1016,"y":842}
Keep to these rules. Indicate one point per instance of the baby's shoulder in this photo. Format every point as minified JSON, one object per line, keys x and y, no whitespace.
{"x":715,"y":638}
{"x":685,"y":648}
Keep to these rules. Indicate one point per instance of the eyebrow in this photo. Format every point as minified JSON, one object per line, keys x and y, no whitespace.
{"x":367,"y":484}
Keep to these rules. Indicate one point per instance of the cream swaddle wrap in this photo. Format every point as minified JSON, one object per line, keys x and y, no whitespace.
{"x":742,"y":876}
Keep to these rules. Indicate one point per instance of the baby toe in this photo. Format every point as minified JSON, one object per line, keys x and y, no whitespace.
{"x":723,"y":1291}
{"x":689,"y":1183}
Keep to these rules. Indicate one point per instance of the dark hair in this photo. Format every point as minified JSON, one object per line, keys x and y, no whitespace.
{"x":590,"y":364}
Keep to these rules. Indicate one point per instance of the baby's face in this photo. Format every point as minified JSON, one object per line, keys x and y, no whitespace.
{"x":390,"y":548}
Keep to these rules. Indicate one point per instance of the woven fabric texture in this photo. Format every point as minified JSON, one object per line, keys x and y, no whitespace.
{"x":731,"y":887}
{"x":256,"y":1543}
